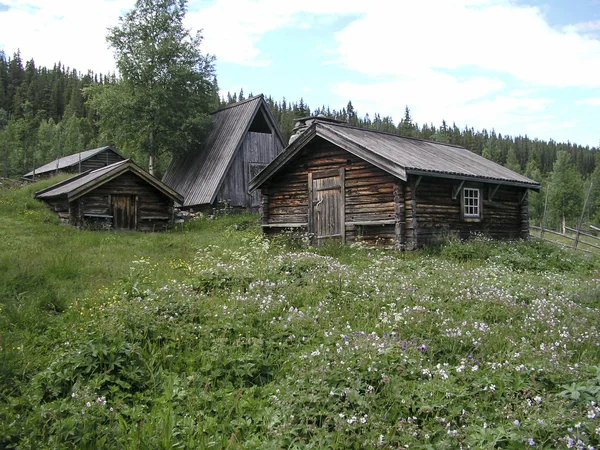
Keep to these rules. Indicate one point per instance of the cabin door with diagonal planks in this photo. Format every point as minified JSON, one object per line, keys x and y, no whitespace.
{"x":124,"y":211}
{"x":326,"y":215}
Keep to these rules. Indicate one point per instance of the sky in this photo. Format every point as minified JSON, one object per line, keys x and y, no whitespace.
{"x":522,"y":67}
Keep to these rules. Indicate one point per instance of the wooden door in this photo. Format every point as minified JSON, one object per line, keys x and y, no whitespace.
{"x":326,"y":216}
{"x":124,"y":212}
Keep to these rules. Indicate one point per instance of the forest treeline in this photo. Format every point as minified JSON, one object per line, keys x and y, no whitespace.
{"x":45,"y":114}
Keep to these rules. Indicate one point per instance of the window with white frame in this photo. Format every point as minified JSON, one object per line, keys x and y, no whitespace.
{"x":471,"y":203}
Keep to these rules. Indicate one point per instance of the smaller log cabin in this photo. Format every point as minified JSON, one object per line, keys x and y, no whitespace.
{"x":77,"y":163}
{"x":121,"y":196}
{"x":344,"y":183}
{"x":244,"y":139}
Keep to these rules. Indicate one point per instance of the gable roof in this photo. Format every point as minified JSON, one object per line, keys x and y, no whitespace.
{"x":401,"y":156}
{"x":199,"y":175}
{"x":83,"y":183}
{"x":71,"y":160}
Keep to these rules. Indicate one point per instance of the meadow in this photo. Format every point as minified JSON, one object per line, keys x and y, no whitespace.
{"x":212,"y":336}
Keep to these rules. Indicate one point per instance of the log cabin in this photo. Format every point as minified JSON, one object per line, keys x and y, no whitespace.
{"x":77,"y":163}
{"x":121,"y":196}
{"x":343,"y":183}
{"x":244,"y":139}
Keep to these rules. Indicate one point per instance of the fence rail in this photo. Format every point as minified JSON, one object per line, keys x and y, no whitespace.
{"x":575,"y":239}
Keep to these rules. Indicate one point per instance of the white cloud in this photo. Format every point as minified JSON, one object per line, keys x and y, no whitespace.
{"x":388,"y":38}
{"x":70,"y":31}
{"x":233,"y":28}
{"x":584,"y":27}
{"x":401,"y":37}
{"x":477,"y":102}
{"x":594,"y":101}
{"x":498,"y":37}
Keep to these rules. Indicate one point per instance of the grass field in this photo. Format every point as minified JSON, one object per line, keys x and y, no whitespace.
{"x":211,"y":336}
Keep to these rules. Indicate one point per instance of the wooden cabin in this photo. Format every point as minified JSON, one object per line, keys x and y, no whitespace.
{"x":339,"y":182}
{"x":77,"y":163}
{"x":244,"y":139}
{"x":121,"y":196}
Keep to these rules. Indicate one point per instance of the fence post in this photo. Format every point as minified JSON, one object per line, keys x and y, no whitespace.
{"x":582,"y":214}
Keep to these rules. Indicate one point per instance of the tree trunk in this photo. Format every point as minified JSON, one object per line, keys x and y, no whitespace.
{"x":564,"y":224}
{"x":151,"y":154}
{"x":151,"y":163}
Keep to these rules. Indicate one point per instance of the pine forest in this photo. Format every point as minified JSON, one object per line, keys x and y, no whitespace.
{"x":47,"y":113}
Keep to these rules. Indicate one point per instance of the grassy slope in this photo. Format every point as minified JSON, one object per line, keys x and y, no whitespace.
{"x":212,"y":336}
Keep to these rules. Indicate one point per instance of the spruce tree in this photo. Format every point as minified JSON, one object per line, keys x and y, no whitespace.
{"x":406,"y":126}
{"x":512,"y":162}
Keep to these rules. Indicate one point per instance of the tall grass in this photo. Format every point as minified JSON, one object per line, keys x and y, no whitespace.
{"x":211,"y":336}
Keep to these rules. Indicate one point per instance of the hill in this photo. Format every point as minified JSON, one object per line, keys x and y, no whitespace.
{"x":211,"y":336}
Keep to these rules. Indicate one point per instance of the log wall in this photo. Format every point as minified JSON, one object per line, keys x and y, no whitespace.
{"x":432,"y":213}
{"x":416,"y":213}
{"x":61,"y":207}
{"x":102,"y":159}
{"x":154,"y":209}
{"x":369,"y":194}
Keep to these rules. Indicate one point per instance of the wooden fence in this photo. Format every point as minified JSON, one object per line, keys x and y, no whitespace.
{"x":576,"y":239}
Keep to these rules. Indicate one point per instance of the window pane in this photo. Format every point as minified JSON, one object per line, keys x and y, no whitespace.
{"x":471,"y":202}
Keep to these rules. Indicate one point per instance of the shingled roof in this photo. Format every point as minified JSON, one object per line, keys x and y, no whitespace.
{"x":199,"y":175}
{"x":401,"y":156}
{"x":69,"y":161}
{"x":85,"y":182}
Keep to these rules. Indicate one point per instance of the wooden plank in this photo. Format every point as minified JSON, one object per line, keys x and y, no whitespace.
{"x":366,"y":207}
{"x":413,"y":205}
{"x":98,"y":216}
{"x":523,"y":196}
{"x":299,"y":218}
{"x":456,"y":191}
{"x":589,"y":244}
{"x":524,"y":232}
{"x":154,"y":218}
{"x":326,"y":174}
{"x":284,"y":225}
{"x":583,"y":233}
{"x":311,"y":212}
{"x":546,"y":230}
{"x":342,"y":205}
{"x":372,"y":222}
{"x":419,"y":178}
{"x":285,"y":210}
{"x":562,"y":245}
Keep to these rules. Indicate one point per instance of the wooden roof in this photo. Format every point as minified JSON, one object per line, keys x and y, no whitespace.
{"x":71,"y":160}
{"x":199,"y":175}
{"x":401,"y":156}
{"x":83,"y":183}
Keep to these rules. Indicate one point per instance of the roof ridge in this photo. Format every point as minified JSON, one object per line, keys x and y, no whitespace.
{"x":387,"y":133}
{"x":90,"y":152}
{"x":233,"y":105}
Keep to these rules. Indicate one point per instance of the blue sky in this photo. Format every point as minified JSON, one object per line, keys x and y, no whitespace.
{"x":522,"y":67}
